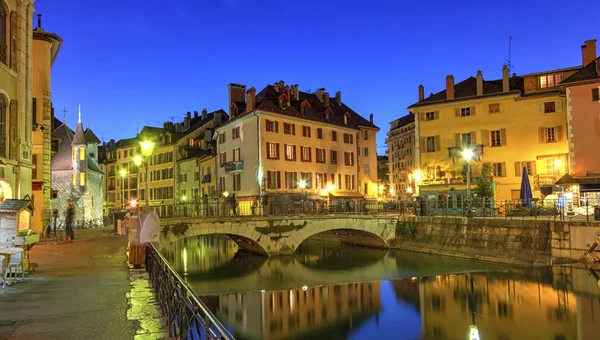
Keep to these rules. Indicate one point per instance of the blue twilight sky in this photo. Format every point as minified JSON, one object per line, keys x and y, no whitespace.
{"x":132,"y":62}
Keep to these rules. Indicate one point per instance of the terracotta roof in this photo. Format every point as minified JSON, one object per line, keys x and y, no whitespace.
{"x":268,"y":100}
{"x":589,"y":72}
{"x":12,"y":205}
{"x":468,"y":88}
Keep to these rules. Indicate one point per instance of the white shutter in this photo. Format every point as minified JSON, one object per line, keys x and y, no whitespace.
{"x":559,"y":105}
{"x":541,"y":107}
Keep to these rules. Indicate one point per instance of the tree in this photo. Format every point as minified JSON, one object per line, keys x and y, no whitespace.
{"x":485,"y":181}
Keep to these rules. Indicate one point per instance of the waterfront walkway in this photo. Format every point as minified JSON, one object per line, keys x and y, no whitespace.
{"x":81,"y":290}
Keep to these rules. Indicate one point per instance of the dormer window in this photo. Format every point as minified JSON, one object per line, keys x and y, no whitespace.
{"x":550,"y":80}
{"x":191,"y":142}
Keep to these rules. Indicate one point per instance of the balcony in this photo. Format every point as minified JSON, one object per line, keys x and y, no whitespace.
{"x":233,"y":167}
{"x":544,"y":180}
{"x":206,"y":178}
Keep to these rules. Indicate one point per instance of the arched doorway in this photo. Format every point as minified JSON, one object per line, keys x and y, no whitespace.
{"x":5,"y":191}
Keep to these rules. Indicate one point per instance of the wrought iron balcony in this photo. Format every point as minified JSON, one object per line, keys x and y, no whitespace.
{"x":234,"y":166}
{"x":545,"y":180}
{"x":206,"y":178}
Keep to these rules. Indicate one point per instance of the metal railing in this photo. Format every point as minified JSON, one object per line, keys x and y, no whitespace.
{"x":557,"y":210}
{"x":187,"y":316}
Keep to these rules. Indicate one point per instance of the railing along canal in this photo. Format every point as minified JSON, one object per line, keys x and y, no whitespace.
{"x":187,"y":316}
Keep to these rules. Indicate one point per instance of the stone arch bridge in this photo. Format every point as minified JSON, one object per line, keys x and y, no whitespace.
{"x":281,"y":235}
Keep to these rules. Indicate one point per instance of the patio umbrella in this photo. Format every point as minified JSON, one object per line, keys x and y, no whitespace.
{"x":526,"y":194}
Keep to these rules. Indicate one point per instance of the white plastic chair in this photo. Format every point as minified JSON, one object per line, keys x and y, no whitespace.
{"x":15,"y":266}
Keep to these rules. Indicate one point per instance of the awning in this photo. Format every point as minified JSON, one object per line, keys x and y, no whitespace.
{"x":346,"y":194}
{"x":12,"y":205}
{"x":589,"y":187}
{"x":316,"y":198}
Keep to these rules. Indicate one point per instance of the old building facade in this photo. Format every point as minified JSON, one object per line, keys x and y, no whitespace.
{"x":280,"y":137}
{"x":45,"y":50}
{"x":400,"y":143}
{"x":16,"y":82}
{"x":76,"y":175}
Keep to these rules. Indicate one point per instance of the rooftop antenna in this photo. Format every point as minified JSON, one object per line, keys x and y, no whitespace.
{"x":64,"y":111}
{"x":509,"y":61}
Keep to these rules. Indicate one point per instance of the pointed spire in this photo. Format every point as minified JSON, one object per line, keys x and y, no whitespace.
{"x":79,"y":120}
{"x":79,"y":138}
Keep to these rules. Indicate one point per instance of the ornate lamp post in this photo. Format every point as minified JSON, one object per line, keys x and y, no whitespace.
{"x":147,"y":147}
{"x":123,"y":174}
{"x":225,"y":195}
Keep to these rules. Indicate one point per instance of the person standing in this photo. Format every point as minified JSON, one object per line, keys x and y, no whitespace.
{"x":205,"y":205}
{"x":234,"y":204}
{"x":69,"y":220}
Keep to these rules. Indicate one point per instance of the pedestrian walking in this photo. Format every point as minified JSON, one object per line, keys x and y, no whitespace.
{"x":234,"y":204}
{"x":69,"y":221}
{"x":205,"y":205}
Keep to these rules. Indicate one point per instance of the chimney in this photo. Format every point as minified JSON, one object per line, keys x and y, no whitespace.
{"x":338,"y":97}
{"x":276,"y":87}
{"x":296,"y":92}
{"x":250,"y":99}
{"x":421,"y":92}
{"x":39,"y":26}
{"x":195,"y":114}
{"x":204,"y":113}
{"x":281,"y":85}
{"x":450,"y":87}
{"x":237,"y":93}
{"x":479,"y":82}
{"x":326,"y":99}
{"x":371,"y":118}
{"x":319,"y":94}
{"x":598,"y":67}
{"x":218,"y":118}
{"x":588,"y":51}
{"x":188,"y":114}
{"x":505,"y":80}
{"x":288,"y":93}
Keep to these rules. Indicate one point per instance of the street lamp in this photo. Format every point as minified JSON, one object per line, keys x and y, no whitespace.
{"x":330,"y":188}
{"x":147,"y":147}
{"x":123,"y":174}
{"x":468,"y":155}
{"x":302,"y":185}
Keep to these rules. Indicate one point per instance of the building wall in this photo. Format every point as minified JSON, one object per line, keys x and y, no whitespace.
{"x":400,"y":143}
{"x":188,"y":185}
{"x":584,"y":129}
{"x":208,"y":176}
{"x":520,"y":121}
{"x":367,"y":162}
{"x":125,"y":189}
{"x":166,"y":182}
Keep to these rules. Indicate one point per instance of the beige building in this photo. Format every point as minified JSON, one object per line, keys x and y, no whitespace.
{"x":16,"y":84}
{"x":401,"y":157}
{"x":45,"y":50}
{"x":281,"y":136}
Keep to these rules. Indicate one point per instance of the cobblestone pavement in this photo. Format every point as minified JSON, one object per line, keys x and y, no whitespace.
{"x":80,"y":290}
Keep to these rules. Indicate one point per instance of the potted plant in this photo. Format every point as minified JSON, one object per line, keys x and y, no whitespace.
{"x":26,"y":237}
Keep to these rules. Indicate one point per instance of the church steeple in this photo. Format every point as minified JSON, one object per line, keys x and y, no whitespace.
{"x":79,"y":138}
{"x":79,"y":161}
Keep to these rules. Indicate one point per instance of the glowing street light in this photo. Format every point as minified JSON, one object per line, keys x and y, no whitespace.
{"x":183,"y":198}
{"x":147,"y":148}
{"x":302,"y":185}
{"x":468,"y":155}
{"x":225,"y":194}
{"x":123,"y":174}
{"x":137,"y":160}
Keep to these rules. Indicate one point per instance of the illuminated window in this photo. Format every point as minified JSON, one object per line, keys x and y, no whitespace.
{"x":82,"y":153}
{"x":550,"y":80}
{"x":74,"y":179}
{"x":82,"y":179}
{"x":74,"y":153}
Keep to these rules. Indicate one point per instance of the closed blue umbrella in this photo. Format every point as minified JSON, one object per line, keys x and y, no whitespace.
{"x":526,"y":194}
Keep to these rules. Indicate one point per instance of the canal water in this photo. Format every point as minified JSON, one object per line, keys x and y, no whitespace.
{"x":331,"y":291}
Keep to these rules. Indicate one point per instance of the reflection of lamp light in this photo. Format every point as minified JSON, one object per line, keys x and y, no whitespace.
{"x":558,"y":163}
{"x":417,"y":176}
{"x":473,"y":332}
{"x":409,"y":190}
{"x":133,"y":203}
{"x":225,"y":194}
{"x":137,"y":160}
{"x":123,"y":172}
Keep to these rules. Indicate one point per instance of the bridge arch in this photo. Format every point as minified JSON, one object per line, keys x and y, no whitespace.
{"x":356,"y":237}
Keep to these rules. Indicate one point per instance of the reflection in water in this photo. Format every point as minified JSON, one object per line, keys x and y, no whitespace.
{"x":330,"y":291}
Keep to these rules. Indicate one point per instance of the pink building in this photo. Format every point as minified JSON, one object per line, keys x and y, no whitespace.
{"x":583,"y":114}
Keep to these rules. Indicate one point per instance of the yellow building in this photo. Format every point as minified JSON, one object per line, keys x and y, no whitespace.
{"x":401,"y":157}
{"x":16,"y":76}
{"x":281,"y":137}
{"x":518,"y":121}
{"x":45,"y":50}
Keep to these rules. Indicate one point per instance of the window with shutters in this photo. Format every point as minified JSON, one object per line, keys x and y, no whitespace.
{"x":272,"y":150}
{"x":334,"y":157}
{"x":495,"y":138}
{"x":466,"y":139}
{"x":365,"y":152}
{"x":290,"y":152}
{"x":273,"y":180}
{"x":34,"y":172}
{"x":235,"y":133}
{"x":291,"y":180}
{"x":222,"y":183}
{"x":305,"y":154}
{"x":367,"y":169}
{"x":319,"y":133}
{"x":529,"y":165}
{"x":222,"y":138}
{"x":465,"y":111}
{"x":334,"y":136}
{"x":306,"y":131}
{"x":307,"y":178}
{"x":320,"y":180}
{"x":222,"y":159}
{"x":429,"y":115}
{"x":551,"y":135}
{"x":3,"y":29}
{"x":349,"y":158}
{"x":320,"y":153}
{"x":237,"y":155}
{"x":549,"y":107}
{"x":348,"y":138}
{"x":272,"y":126}
{"x":494,"y":108}
{"x":430,"y":144}
{"x":596,"y":94}
{"x":289,"y":129}
{"x":499,"y":169}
